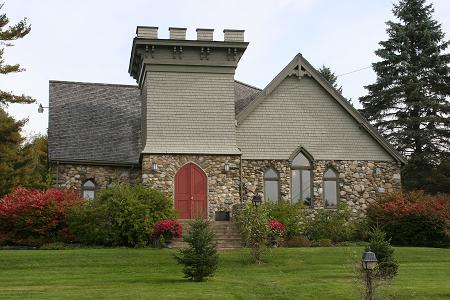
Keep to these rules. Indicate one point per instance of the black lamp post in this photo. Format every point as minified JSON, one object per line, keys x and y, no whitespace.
{"x":369,"y":263}
{"x":256,"y":200}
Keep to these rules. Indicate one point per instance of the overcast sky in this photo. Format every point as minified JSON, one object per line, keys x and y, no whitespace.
{"x":90,"y":40}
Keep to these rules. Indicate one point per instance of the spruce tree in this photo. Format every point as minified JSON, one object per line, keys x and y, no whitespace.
{"x":200,"y":259}
{"x":409,"y":102}
{"x":330,"y":77}
{"x":7,"y":35}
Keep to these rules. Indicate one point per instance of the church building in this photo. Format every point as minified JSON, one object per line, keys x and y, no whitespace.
{"x":190,"y":129}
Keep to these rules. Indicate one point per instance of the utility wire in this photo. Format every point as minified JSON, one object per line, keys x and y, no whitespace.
{"x":354,"y":71}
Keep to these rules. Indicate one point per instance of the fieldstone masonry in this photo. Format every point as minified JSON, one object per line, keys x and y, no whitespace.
{"x":360,"y":182}
{"x":73,"y":175}
{"x":223,"y":188}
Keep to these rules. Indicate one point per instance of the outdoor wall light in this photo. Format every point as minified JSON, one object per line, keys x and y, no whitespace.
{"x":41,"y":108}
{"x":226,"y":167}
{"x":257,"y":201}
{"x":154,"y":167}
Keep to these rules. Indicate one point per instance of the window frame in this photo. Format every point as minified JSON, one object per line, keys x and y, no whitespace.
{"x":273,"y":179}
{"x":330,"y":179}
{"x":311,"y":176}
{"x":88,"y":188}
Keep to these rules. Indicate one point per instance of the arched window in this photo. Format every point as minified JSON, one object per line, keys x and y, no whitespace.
{"x":88,"y":189}
{"x":301,"y":179}
{"x":330,"y":188}
{"x":271,"y":186}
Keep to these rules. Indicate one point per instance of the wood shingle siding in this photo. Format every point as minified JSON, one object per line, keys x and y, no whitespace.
{"x":299,"y":112}
{"x":190,"y":113}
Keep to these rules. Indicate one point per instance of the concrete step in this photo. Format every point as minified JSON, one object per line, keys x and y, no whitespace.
{"x":227,"y":235}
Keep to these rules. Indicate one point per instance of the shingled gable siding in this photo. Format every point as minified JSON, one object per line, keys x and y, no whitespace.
{"x":73,"y":175}
{"x":223,"y":189}
{"x":301,"y":112}
{"x":190,"y":113}
{"x":360,"y":182}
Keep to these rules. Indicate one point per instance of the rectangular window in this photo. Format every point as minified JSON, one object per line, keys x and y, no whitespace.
{"x":301,"y":186}
{"x":88,"y":194}
{"x":271,"y":191}
{"x":295,"y":186}
{"x":330,"y":193}
{"x":306,"y":186}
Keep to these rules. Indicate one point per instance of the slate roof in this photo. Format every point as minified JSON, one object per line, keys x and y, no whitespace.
{"x":244,"y":94}
{"x":101,"y":123}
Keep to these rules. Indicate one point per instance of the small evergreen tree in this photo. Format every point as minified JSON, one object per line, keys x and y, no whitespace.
{"x":409,"y":103}
{"x":200,"y":259}
{"x":330,"y":77}
{"x":387,"y":265}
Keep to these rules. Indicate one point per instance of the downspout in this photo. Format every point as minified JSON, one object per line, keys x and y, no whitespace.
{"x":240,"y":180}
{"x":57,"y":173}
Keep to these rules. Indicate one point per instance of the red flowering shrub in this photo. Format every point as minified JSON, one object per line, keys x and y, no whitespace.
{"x":277,"y":229}
{"x":167,"y":228}
{"x":34,"y":217}
{"x":414,"y":219}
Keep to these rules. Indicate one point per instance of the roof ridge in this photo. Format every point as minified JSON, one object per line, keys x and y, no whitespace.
{"x":248,"y":85}
{"x":93,"y":83}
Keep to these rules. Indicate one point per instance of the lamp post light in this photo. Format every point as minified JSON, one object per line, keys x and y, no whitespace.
{"x":369,"y":263}
{"x":257,"y":200}
{"x":41,"y":108}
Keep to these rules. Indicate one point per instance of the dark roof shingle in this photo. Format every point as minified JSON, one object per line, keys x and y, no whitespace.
{"x":101,"y":123}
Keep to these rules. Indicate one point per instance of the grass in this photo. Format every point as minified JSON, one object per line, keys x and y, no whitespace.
{"x":302,"y":273}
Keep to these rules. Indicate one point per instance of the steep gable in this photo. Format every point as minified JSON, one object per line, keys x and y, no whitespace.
{"x":300,"y":108}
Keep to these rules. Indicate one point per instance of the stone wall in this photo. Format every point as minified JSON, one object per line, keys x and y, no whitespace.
{"x":360,"y":182}
{"x":223,"y":189}
{"x":73,"y":175}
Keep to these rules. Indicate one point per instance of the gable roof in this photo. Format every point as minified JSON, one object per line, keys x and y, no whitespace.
{"x":101,"y":123}
{"x":300,"y":67}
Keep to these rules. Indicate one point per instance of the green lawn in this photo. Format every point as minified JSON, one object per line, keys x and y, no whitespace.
{"x":304,"y":273}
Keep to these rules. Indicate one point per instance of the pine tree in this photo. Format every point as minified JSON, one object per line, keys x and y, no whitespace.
{"x":409,"y":102}
{"x":330,"y":77}
{"x":7,"y":35}
{"x":200,"y":259}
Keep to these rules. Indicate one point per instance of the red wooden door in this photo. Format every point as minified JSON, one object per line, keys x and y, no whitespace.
{"x":190,"y":192}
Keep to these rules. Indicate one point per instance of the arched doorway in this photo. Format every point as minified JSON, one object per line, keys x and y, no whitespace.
{"x":190,"y":192}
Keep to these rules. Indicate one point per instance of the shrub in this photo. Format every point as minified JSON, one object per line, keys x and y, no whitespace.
{"x":322,"y":243}
{"x":168,"y":229}
{"x":121,"y":216}
{"x":335,"y":225}
{"x":293,"y":216}
{"x":252,"y":223}
{"x":298,"y":241}
{"x":200,"y":259}
{"x":34,"y":217}
{"x":413,"y":219}
{"x":277,"y":229}
{"x":387,"y":265}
